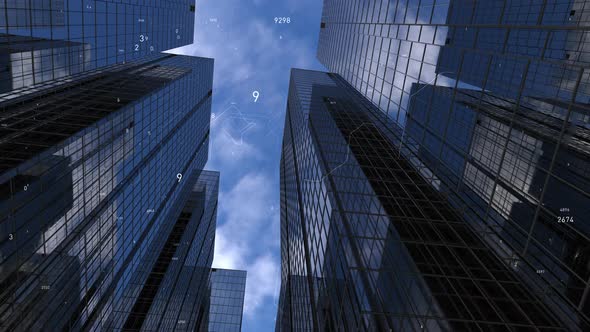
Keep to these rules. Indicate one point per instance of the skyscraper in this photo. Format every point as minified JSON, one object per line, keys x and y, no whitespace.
{"x":517,"y":49}
{"x":169,"y":290}
{"x":367,"y":240}
{"x":41,"y":40}
{"x":226,"y":305}
{"x":491,"y":102}
{"x":107,"y":220}
{"x":92,"y":166}
{"x":503,"y":195}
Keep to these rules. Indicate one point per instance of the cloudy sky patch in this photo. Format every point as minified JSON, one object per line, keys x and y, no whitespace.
{"x":252,"y":53}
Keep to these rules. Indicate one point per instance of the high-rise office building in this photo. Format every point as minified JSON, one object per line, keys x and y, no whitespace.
{"x":41,"y":40}
{"x":522,"y":51}
{"x":368,"y":242}
{"x":169,"y":291}
{"x":91,"y":167}
{"x":382,"y":47}
{"x":500,"y":188}
{"x":107,"y":220}
{"x":517,"y":49}
{"x":491,"y":101}
{"x":226,"y":304}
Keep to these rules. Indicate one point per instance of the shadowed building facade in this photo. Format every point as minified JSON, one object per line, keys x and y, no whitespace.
{"x":368,"y":242}
{"x":500,"y":198}
{"x":226,"y":305}
{"x":107,"y":220}
{"x":173,"y":279}
{"x":91,"y":167}
{"x":491,"y":99}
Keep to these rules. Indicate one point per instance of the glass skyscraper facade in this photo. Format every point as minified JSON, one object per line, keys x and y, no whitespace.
{"x":169,"y":291}
{"x":79,"y":157}
{"x":369,"y":241}
{"x":42,"y":40}
{"x":226,"y":305}
{"x":107,"y":220}
{"x":549,"y":255}
{"x":489,"y":100}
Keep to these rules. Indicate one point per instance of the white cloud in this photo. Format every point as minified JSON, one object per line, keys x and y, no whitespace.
{"x":229,"y":148}
{"x":227,"y":254}
{"x":251,"y":223}
{"x":250,"y":54}
{"x":262,"y":282}
{"x":247,"y":204}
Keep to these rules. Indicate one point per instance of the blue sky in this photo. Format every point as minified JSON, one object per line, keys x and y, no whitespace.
{"x":252,"y":53}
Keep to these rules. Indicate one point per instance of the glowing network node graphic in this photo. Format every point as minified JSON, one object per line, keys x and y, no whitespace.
{"x":234,"y":123}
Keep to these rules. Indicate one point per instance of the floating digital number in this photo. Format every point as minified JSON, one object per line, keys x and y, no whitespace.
{"x":255,"y":94}
{"x":282,"y":20}
{"x":179,"y":176}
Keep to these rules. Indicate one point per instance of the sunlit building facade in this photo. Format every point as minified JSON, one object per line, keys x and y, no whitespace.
{"x":499,"y":188}
{"x":491,"y":101}
{"x":41,"y":40}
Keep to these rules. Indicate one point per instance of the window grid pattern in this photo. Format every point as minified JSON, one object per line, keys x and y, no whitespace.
{"x":42,"y":40}
{"x":228,"y":288}
{"x":76,"y":222}
{"x":384,"y":249}
{"x":39,"y":124}
{"x":492,"y":96}
{"x":298,"y":161}
{"x":176,"y":301}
